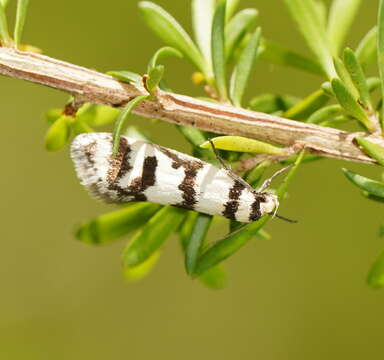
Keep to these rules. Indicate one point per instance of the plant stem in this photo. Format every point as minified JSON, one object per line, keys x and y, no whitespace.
{"x":90,"y":86}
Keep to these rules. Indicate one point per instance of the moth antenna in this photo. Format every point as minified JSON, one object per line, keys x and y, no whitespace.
{"x":267,"y":182}
{"x":231,"y":173}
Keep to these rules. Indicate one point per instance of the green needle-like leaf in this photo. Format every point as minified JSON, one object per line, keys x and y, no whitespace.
{"x":150,"y":238}
{"x":372,"y":197}
{"x":336,"y":121}
{"x":242,"y":144}
{"x":218,"y":50}
{"x":232,"y":243}
{"x":306,"y":159}
{"x":277,"y":54}
{"x":161,"y":54}
{"x":324,"y":113}
{"x":112,"y":226}
{"x":306,"y":107}
{"x":231,"y":8}
{"x":202,"y":16}
{"x":79,"y":127}
{"x":243,"y":69}
{"x":186,"y":228}
{"x":228,"y":246}
{"x":380,"y":50}
{"x":349,"y":103}
{"x":306,"y":15}
{"x":373,"y":83}
{"x":254,"y":176}
{"x":4,"y":33}
{"x":155,"y":76}
{"x":58,"y":134}
{"x":22,"y":7}
{"x":215,"y":278}
{"x":196,"y":137}
{"x":375,"y":277}
{"x":367,"y":49}
{"x":97,"y":115}
{"x":357,"y":75}
{"x":237,"y":27}
{"x":193,"y":135}
{"x":282,"y":189}
{"x":327,"y":88}
{"x":170,"y":31}
{"x":373,"y":150}
{"x":195,"y":241}
{"x":53,"y":114}
{"x":121,"y":120}
{"x":137,"y":273}
{"x":271,"y":103}
{"x":125,"y":76}
{"x":321,"y":10}
{"x":373,"y":187}
{"x":345,"y":77}
{"x":341,"y":16}
{"x":135,"y":133}
{"x":261,"y":234}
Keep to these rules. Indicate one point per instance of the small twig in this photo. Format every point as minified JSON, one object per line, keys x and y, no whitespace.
{"x":90,"y":86}
{"x":248,"y":164}
{"x":72,"y":108}
{"x":245,"y":165}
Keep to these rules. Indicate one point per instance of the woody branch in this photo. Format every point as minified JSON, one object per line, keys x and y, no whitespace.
{"x":91,"y":86}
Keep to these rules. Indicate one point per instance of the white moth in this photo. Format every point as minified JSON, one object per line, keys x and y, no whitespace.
{"x":147,"y":172}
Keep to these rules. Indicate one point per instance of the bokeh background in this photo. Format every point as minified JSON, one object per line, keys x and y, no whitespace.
{"x":301,"y":295}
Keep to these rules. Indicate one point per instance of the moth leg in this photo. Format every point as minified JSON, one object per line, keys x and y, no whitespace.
{"x":268,"y":181}
{"x":218,"y":157}
{"x":231,"y":173}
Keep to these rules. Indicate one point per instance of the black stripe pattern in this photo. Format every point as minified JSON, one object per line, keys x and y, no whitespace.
{"x":89,"y":152}
{"x":142,"y":183}
{"x":255,"y":213}
{"x":232,"y":205}
{"x":120,"y":166}
{"x":187,"y":186}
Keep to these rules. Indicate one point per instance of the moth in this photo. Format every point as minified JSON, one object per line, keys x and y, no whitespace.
{"x":141,"y":171}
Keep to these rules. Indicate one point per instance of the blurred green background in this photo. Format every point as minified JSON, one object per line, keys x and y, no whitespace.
{"x":301,"y":295}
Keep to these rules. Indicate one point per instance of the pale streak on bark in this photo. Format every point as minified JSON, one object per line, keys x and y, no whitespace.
{"x":91,"y":86}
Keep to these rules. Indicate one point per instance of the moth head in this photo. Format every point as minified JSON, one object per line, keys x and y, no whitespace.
{"x":269,"y":203}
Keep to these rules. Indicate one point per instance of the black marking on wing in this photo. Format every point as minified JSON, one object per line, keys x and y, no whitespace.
{"x":187,"y":186}
{"x":90,"y":153}
{"x":255,"y":213}
{"x":120,"y":166}
{"x":142,"y":183}
{"x":232,"y":205}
